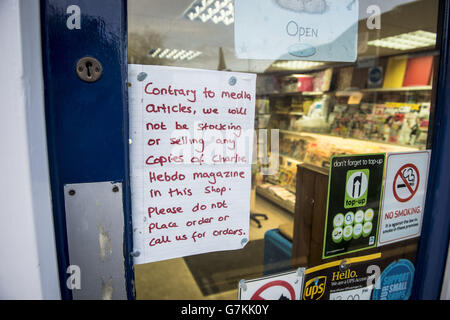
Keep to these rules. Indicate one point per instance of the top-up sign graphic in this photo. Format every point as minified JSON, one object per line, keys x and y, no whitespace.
{"x":354,"y":193}
{"x":356,"y":188}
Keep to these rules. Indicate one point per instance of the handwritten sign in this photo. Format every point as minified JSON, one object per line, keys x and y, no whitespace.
{"x":191,"y":152}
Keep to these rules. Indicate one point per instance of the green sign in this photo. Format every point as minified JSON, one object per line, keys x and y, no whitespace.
{"x":354,"y":195}
{"x":356,"y":188}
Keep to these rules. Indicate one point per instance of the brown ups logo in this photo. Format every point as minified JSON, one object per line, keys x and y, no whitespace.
{"x":315,"y":288}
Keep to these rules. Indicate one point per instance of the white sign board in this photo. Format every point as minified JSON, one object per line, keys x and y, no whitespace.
{"x":282,"y":286}
{"x":191,"y":148}
{"x":314,"y":30}
{"x":404,"y":196}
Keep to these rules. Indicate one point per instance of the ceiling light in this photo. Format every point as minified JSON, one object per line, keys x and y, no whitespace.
{"x":296,"y":65}
{"x":211,"y":10}
{"x":174,"y":54}
{"x":407,"y":41}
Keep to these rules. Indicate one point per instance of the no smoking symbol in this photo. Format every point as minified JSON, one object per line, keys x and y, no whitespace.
{"x":406,"y":182}
{"x":281,"y":283}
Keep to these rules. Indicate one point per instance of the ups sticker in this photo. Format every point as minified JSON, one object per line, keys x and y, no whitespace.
{"x":315,"y":288}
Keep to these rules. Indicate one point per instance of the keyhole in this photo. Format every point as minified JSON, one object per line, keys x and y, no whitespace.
{"x":88,"y":68}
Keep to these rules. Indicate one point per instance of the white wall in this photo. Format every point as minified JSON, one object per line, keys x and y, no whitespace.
{"x":28,"y":265}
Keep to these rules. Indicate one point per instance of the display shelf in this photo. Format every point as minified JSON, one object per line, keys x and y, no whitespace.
{"x":290,"y":113}
{"x":287,"y":205}
{"x":405,"y":89}
{"x":345,"y":93}
{"x":301,"y":93}
{"x":313,"y":93}
{"x":338,"y":139}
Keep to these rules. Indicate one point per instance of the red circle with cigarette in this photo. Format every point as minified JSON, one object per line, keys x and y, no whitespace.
{"x":257,"y":294}
{"x":406,"y":182}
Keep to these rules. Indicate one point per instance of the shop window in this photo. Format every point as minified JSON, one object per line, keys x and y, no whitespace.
{"x":383,"y":102}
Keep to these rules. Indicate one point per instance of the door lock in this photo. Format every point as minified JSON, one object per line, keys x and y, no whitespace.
{"x":89,"y":69}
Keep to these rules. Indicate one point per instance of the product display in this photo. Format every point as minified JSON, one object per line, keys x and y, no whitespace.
{"x":392,"y":122}
{"x":418,"y":71}
{"x":322,"y":80}
{"x":262,"y":114}
{"x":395,"y":72}
{"x":278,"y":195}
{"x":345,"y":111}
{"x":262,"y":106}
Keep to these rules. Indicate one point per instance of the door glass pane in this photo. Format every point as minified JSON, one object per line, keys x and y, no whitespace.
{"x":314,"y":110}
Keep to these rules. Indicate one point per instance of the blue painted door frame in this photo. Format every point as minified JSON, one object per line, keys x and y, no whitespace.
{"x":87,"y":123}
{"x":87,"y":128}
{"x":433,"y":245}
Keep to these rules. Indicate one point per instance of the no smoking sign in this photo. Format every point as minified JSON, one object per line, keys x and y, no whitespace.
{"x":406,"y":182}
{"x":258,"y":295}
{"x":404,"y":196}
{"x":282,"y":286}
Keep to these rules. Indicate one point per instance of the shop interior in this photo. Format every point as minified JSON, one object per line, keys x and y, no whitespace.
{"x":381,"y":103}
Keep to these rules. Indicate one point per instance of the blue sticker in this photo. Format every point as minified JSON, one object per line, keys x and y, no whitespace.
{"x":375,"y":76}
{"x":395,"y":283}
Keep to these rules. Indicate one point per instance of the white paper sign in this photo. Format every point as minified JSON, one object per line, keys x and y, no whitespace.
{"x":363,"y":293}
{"x":404,"y":196}
{"x":317,"y":30}
{"x":282,"y":286}
{"x":191,"y":151}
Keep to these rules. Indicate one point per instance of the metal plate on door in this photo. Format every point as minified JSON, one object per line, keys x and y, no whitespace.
{"x":95,"y":229}
{"x":89,"y":69}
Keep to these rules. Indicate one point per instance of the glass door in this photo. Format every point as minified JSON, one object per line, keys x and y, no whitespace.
{"x":371,"y":104}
